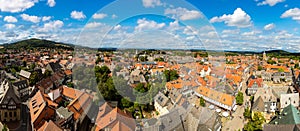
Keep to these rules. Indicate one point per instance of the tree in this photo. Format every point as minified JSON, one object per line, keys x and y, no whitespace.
{"x":259,"y":68}
{"x":47,"y":73}
{"x":126,"y":103}
{"x":239,"y":98}
{"x":280,"y":70}
{"x":296,"y":65}
{"x":33,"y":79}
{"x":4,"y":128}
{"x":159,"y":59}
{"x":247,"y":113}
{"x":202,"y":102}
{"x":171,"y":75}
{"x":256,"y":123}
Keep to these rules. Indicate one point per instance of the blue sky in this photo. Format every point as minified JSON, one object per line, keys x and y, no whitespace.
{"x":252,"y":25}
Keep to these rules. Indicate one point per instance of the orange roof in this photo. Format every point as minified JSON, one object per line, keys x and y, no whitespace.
{"x":223,"y":98}
{"x":174,"y":84}
{"x":50,"y":126}
{"x":70,"y":92}
{"x":114,"y":119}
{"x":80,"y":104}
{"x":258,"y":81}
{"x":201,"y":81}
{"x":68,"y":72}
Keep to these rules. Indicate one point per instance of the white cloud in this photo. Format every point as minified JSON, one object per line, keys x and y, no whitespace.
{"x":46,"y":18}
{"x":114,"y":16}
{"x":15,"y":6}
{"x":183,"y":13}
{"x":51,"y":3}
{"x":144,"y":24}
{"x":51,"y":26}
{"x":99,"y":16}
{"x":239,"y":18}
{"x":117,"y":27}
{"x":293,"y":13}
{"x":33,"y":19}
{"x":151,"y":3}
{"x":251,"y":33}
{"x":1,"y":16}
{"x":10,"y":19}
{"x":270,"y":2}
{"x":9,"y":26}
{"x":269,"y":26}
{"x":78,"y":15}
{"x":93,"y":25}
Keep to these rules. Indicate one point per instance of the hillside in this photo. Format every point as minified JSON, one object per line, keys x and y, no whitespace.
{"x":37,"y":43}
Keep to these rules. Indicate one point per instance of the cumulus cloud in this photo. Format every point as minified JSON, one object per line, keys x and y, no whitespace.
{"x":270,"y":2}
{"x":33,"y":19}
{"x":151,"y":3}
{"x":10,"y":19}
{"x":51,"y":3}
{"x":9,"y":26}
{"x":93,"y":25}
{"x":114,"y":16}
{"x":99,"y":16}
{"x":239,"y":18}
{"x":117,"y":27}
{"x":78,"y":15}
{"x":51,"y":26}
{"x":15,"y":6}
{"x":183,"y":13}
{"x":269,"y":26}
{"x":46,"y":18}
{"x":293,"y":13}
{"x":144,"y":24}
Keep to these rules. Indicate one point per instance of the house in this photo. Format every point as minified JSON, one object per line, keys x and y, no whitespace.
{"x":219,"y":99}
{"x":25,"y":75}
{"x":10,"y":104}
{"x":54,"y":67}
{"x":113,"y":119}
{"x":279,"y":77}
{"x":64,"y":118}
{"x":268,"y":98}
{"x":161,"y":103}
{"x":253,"y":84}
{"x":287,"y":120}
{"x":42,"y":109}
{"x":50,"y":126}
{"x":287,"y":99}
{"x":22,"y":88}
{"x":45,"y":85}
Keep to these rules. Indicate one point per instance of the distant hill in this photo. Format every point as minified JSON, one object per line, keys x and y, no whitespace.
{"x":35,"y":43}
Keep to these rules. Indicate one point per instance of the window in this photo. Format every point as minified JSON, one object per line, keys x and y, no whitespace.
{"x":5,"y":114}
{"x":15,"y":114}
{"x":10,"y":114}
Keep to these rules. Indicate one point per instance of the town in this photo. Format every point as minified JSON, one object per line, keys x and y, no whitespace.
{"x":53,"y":88}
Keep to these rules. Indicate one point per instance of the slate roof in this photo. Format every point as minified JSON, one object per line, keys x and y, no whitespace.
{"x":289,"y":115}
{"x":290,"y":127}
{"x":258,"y":105}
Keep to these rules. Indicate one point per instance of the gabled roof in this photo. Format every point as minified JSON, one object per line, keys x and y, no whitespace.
{"x":258,"y":81}
{"x":7,"y":93}
{"x":216,"y":95}
{"x":114,"y":119}
{"x":289,"y":127}
{"x":80,"y":105}
{"x":258,"y":105}
{"x":55,"y":66}
{"x":50,"y":126}
{"x":25,"y":74}
{"x":289,"y":115}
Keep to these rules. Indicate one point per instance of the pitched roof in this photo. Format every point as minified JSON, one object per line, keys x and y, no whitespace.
{"x":289,"y":115}
{"x":25,"y":74}
{"x":114,"y":119}
{"x":289,"y":127}
{"x":7,"y":93}
{"x":258,"y":105}
{"x":80,"y":105}
{"x":258,"y":81}
{"x":50,"y":126}
{"x":217,"y":96}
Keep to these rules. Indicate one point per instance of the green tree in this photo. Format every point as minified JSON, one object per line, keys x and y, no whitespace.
{"x":126,"y":103}
{"x":47,"y":73}
{"x":159,"y":59}
{"x":247,"y":113}
{"x":171,"y":75}
{"x":5,"y":128}
{"x":259,"y":68}
{"x":239,"y":98}
{"x":280,"y":70}
{"x":256,"y":123}
{"x":296,"y":65}
{"x":202,"y":102}
{"x":33,"y":79}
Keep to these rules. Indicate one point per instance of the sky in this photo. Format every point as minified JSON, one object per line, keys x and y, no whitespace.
{"x":241,"y":25}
